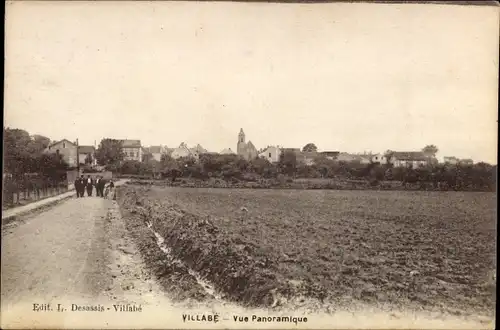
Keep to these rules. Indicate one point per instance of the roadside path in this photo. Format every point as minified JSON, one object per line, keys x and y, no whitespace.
{"x":35,"y":205}
{"x":54,"y":254}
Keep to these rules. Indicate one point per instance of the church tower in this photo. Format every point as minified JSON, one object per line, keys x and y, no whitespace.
{"x":241,"y":146}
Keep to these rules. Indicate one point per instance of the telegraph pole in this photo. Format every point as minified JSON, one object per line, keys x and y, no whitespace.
{"x":77,"y":158}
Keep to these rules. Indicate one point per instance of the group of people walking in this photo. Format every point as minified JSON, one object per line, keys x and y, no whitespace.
{"x":102,"y":190}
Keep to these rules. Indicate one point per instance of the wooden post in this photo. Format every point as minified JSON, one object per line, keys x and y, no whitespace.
{"x":77,"y":158}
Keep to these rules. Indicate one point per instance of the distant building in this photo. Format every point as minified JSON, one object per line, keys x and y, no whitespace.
{"x":85,"y":153}
{"x":227,"y":151}
{"x":244,"y":149}
{"x":352,"y":158}
{"x":302,"y":157}
{"x":451,"y":160}
{"x":466,"y":162}
{"x":456,"y":161}
{"x":411,"y":158}
{"x":183,"y":151}
{"x":272,"y":154}
{"x":306,"y":157}
{"x":379,"y":159}
{"x":157,"y":151}
{"x":65,"y":148}
{"x":290,"y":149}
{"x":132,"y":150}
{"x":332,"y":155}
{"x":198,"y":150}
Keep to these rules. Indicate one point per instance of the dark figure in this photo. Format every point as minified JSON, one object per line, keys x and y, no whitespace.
{"x":110,"y":188}
{"x":103,"y":186}
{"x":97,"y":186}
{"x":89,"y":185}
{"x":77,"y":187}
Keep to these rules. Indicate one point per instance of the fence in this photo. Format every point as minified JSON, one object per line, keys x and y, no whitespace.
{"x":28,"y":189}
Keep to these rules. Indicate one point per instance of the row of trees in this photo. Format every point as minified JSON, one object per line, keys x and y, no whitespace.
{"x":23,"y":153}
{"x":480,"y":176}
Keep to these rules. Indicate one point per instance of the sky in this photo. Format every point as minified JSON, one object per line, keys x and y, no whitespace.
{"x":347,"y":77}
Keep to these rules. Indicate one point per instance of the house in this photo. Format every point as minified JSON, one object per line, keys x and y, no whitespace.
{"x":290,"y":150}
{"x":244,"y":149}
{"x":466,"y":162}
{"x":86,"y":155}
{"x":332,"y":155}
{"x":132,"y":150}
{"x":198,"y":150}
{"x":183,"y":151}
{"x":157,"y":151}
{"x":272,"y":154}
{"x":379,"y":159}
{"x":351,"y":158}
{"x":67,"y":149}
{"x":411,"y":158}
{"x":456,"y":161}
{"x":451,"y":160}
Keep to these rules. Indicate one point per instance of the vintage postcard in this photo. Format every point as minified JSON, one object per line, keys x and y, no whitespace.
{"x":249,"y":165}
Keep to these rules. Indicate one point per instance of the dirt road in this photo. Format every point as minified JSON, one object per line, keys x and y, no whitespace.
{"x":55,"y":254}
{"x":74,"y":253}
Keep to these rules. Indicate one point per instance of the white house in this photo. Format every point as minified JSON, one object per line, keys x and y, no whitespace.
{"x":379,"y":158}
{"x":67,"y":150}
{"x":198,"y":150}
{"x":157,"y":151}
{"x":86,"y":153}
{"x":411,"y":158}
{"x":183,"y":151}
{"x":451,"y":160}
{"x":272,"y":154}
{"x":132,"y":150}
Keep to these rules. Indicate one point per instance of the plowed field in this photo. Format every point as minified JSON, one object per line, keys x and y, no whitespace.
{"x":430,"y":250}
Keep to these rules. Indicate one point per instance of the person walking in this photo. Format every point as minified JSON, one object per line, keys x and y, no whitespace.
{"x":110,"y":189}
{"x":101,"y":185}
{"x":90,"y":185}
{"x":77,"y":187}
{"x":98,"y":182}
{"x":81,"y":186}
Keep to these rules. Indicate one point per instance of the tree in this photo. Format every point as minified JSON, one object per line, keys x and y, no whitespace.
{"x":38,"y":144}
{"x":288,"y":162}
{"x":109,"y":152}
{"x":260,"y":166}
{"x":310,"y":147}
{"x":430,"y":150}
{"x":168,"y":164}
{"x":388,"y":155}
{"x":17,"y":157}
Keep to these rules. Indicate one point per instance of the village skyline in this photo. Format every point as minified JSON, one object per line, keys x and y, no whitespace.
{"x":258,"y":150}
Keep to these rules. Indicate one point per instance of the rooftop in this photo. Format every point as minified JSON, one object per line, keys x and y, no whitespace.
{"x":155,"y":149}
{"x":131,"y":143}
{"x":409,"y":155}
{"x":63,"y":140}
{"x":86,"y":149}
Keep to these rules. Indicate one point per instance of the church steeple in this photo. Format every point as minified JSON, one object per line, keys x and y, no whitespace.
{"x":241,"y":136}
